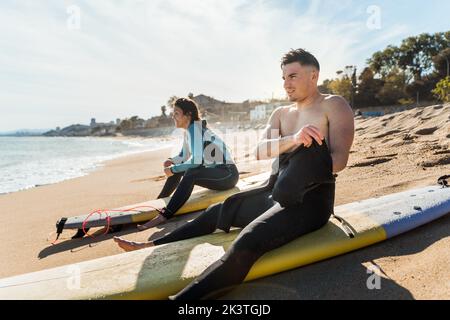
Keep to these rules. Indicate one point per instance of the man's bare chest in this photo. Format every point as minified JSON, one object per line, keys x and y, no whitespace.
{"x":292,"y":121}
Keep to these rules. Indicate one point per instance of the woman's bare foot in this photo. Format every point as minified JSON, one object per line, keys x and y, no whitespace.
{"x":142,"y":227}
{"x":152,"y":223}
{"x":131,"y":245}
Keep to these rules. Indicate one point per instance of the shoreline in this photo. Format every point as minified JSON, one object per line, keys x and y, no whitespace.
{"x":98,"y":164}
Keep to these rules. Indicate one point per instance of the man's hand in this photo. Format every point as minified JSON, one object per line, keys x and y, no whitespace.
{"x":168,"y":172}
{"x":306,"y":135}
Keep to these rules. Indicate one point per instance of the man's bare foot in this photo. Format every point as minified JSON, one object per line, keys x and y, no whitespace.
{"x":131,"y":245}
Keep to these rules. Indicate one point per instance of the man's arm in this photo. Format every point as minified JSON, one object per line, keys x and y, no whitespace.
{"x":341,"y":131}
{"x":271,"y":145}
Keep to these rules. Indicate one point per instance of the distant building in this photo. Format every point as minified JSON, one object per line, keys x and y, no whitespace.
{"x":117,"y":121}
{"x":139,"y":123}
{"x":104,"y":130}
{"x":263,"y":111}
{"x":238,"y":115}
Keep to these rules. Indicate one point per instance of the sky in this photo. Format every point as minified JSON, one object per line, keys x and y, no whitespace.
{"x":67,"y":61}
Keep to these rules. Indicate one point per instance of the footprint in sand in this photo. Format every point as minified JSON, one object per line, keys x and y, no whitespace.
{"x":426,"y":131}
{"x":371,"y":162}
{"x":384,"y":156}
{"x":387,"y":133}
{"x":437,"y":162}
{"x":442,"y":152}
{"x":408,"y":137}
{"x":158,"y":178}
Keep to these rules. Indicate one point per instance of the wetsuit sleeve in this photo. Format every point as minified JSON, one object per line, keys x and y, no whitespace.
{"x":195,"y":143}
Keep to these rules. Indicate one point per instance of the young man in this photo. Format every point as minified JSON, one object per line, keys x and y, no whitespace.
{"x":311,"y":139}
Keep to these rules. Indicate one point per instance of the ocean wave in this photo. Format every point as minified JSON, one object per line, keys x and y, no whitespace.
{"x":35,"y":162}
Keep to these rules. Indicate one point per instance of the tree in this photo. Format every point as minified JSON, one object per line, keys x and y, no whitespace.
{"x":325,"y":87}
{"x":368,"y":87}
{"x":412,"y":69}
{"x":125,"y":124}
{"x":393,"y":89}
{"x":442,"y":63}
{"x":442,"y":90}
{"x":342,"y":87}
{"x":171,"y":100}
{"x":354,"y":84}
{"x":416,"y":54}
{"x":422,"y":89}
{"x":383,"y":62}
{"x":163,"y":111}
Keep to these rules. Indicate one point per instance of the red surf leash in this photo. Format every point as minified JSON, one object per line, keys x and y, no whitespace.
{"x":108,"y":218}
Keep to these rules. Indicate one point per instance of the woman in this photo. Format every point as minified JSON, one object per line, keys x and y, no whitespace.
{"x":204,"y":161}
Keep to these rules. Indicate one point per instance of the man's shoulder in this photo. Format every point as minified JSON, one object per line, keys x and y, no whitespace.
{"x":282,"y":109}
{"x":334,"y":102}
{"x":331,"y":99}
{"x":285,"y":107}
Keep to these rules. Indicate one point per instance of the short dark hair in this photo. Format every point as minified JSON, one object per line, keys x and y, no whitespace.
{"x":189,"y":107}
{"x":301,"y":56}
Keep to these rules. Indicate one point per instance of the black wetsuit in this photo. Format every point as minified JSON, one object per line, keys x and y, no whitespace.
{"x":304,"y":187}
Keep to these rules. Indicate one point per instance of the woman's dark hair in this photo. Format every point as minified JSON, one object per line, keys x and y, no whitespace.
{"x":189,"y":107}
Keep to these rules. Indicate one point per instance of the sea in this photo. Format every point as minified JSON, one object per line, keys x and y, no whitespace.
{"x":28,"y":162}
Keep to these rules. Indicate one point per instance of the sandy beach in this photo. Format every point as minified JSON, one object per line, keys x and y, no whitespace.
{"x":390,"y":154}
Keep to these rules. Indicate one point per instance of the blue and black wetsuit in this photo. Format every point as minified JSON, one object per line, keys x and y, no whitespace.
{"x":204,"y":161}
{"x":303,"y":187}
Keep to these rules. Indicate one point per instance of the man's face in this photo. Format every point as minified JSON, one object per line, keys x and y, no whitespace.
{"x":299,"y":80}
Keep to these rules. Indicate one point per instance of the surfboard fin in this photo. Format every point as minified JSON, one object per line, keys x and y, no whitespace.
{"x":349,"y":231}
{"x":60,"y":227}
{"x":115,"y":228}
{"x":443,"y":181}
{"x":80,"y":233}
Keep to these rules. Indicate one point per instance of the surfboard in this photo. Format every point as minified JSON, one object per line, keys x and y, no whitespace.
{"x":145,"y":211}
{"x":156,"y":273}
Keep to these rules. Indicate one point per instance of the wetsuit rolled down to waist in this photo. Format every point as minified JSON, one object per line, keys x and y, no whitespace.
{"x":304,"y":187}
